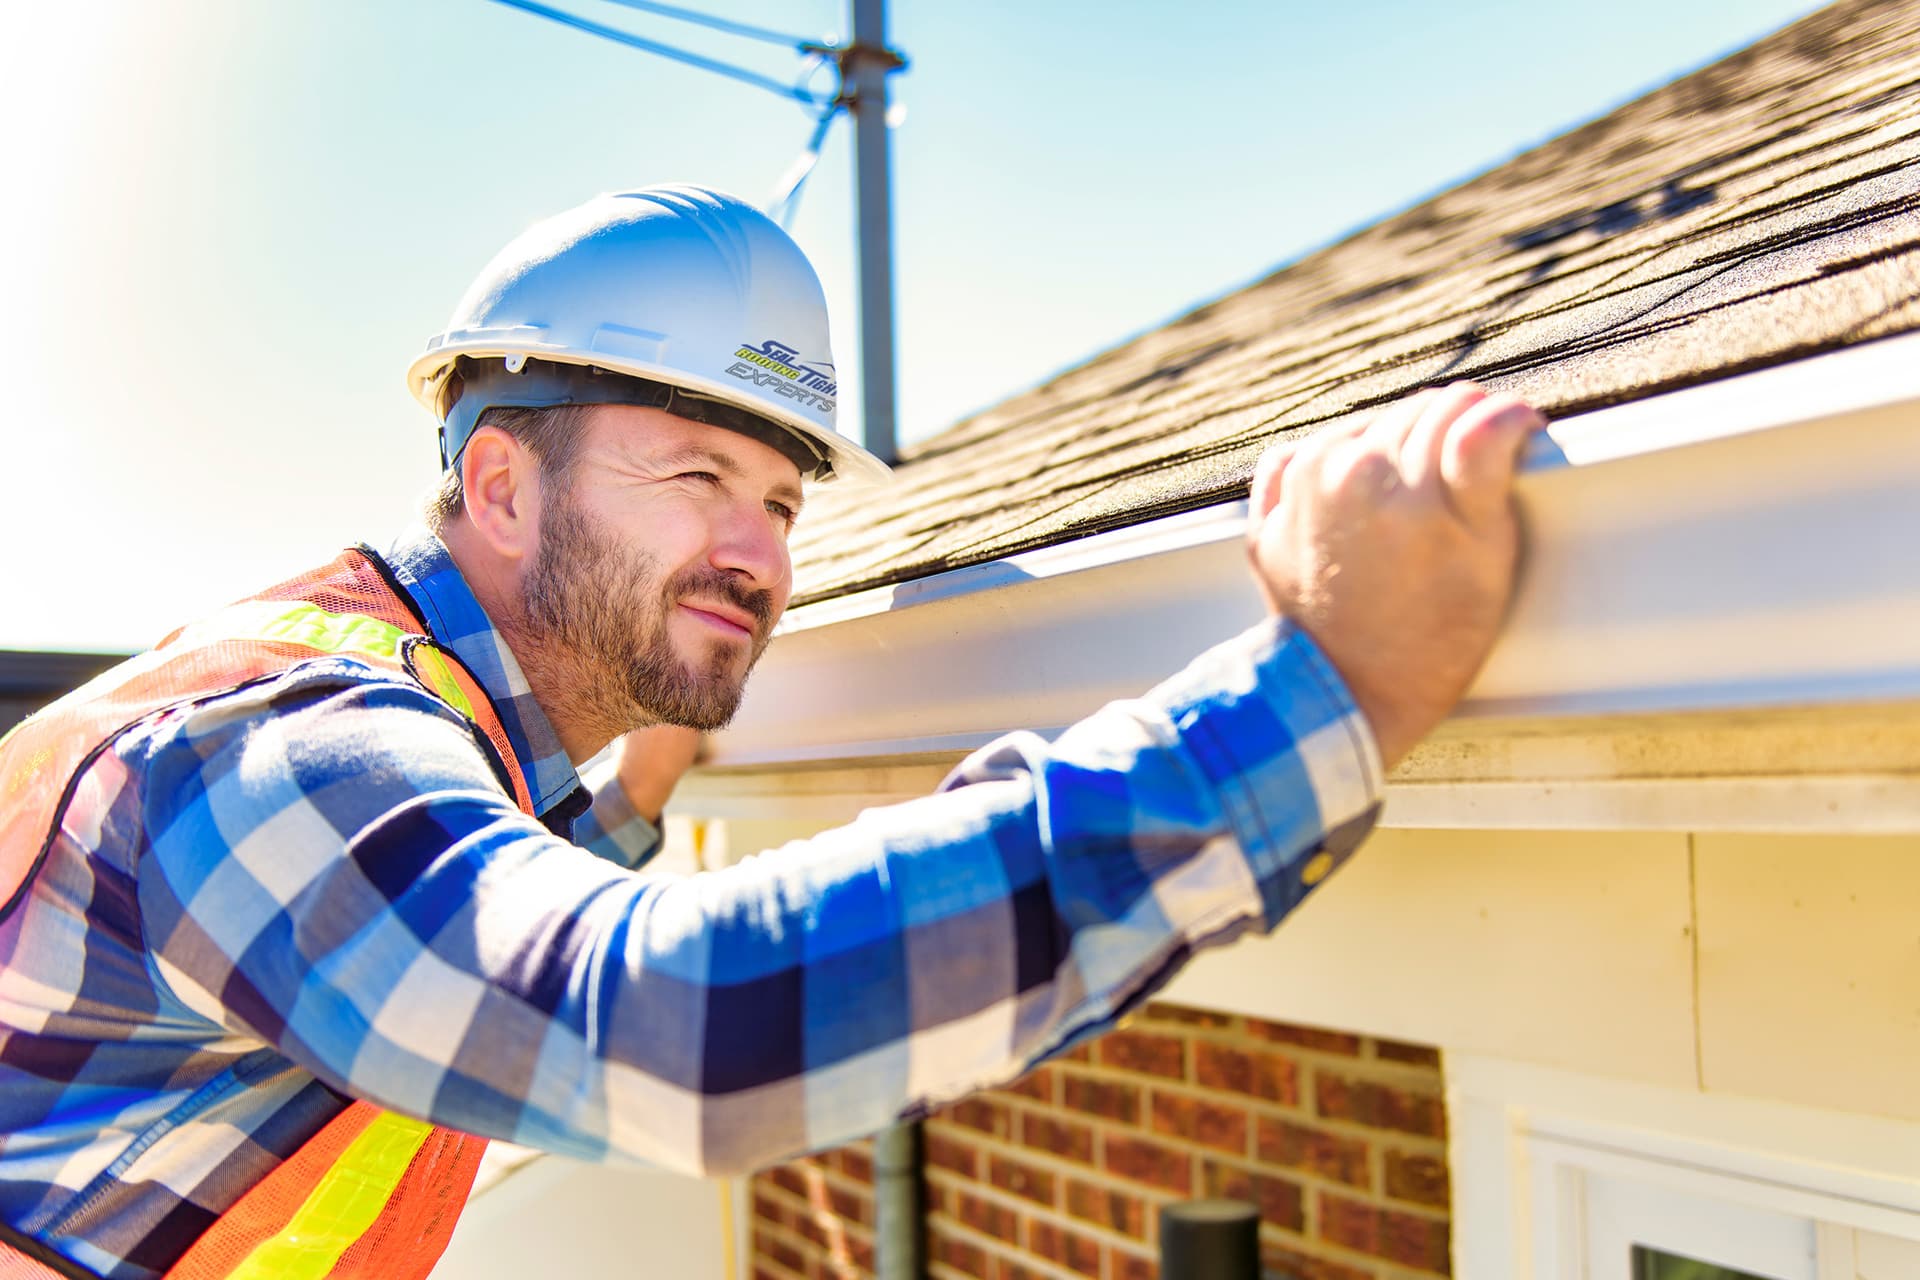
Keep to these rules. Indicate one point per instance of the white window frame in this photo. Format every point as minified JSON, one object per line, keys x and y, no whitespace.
{"x":1555,"y":1174}
{"x":1628,"y":1202}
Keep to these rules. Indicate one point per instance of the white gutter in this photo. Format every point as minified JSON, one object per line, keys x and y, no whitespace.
{"x":1751,"y":543}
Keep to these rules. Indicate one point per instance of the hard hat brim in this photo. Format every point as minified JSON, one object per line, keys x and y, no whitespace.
{"x":851,"y":462}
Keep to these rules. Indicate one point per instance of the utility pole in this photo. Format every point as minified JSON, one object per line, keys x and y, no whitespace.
{"x":865,"y":64}
{"x":899,"y":1169}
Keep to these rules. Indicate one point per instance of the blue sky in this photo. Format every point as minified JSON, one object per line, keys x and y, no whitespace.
{"x":230,"y":225}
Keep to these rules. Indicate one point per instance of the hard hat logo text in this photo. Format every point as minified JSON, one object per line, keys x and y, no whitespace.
{"x":773,"y":363}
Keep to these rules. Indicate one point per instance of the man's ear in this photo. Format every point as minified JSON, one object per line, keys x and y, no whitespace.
{"x":500,"y":487}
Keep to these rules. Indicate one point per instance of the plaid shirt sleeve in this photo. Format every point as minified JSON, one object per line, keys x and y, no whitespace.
{"x":334,"y":870}
{"x":613,"y":829}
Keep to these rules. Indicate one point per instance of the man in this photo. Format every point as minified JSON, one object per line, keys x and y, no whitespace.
{"x":290,"y":904}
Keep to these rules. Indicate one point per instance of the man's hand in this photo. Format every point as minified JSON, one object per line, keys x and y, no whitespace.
{"x":651,"y":762}
{"x":1394,"y":546}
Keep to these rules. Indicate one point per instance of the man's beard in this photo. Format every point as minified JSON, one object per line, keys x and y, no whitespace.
{"x":603,"y":609}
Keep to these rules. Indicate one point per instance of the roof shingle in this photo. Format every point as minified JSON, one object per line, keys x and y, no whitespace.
{"x":1762,"y":209}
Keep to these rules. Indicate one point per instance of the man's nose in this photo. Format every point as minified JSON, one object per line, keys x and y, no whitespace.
{"x":747,"y":541}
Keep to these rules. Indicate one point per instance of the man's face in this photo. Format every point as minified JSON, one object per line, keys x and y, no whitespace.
{"x":663,"y":565}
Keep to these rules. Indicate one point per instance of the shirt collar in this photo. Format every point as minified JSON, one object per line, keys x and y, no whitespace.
{"x":421,"y":564}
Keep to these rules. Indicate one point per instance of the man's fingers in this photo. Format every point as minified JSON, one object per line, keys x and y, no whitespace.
{"x":1462,"y":436}
{"x":1267,"y":474}
{"x":1389,"y":429}
{"x":1419,"y":454}
{"x":1478,"y":455}
{"x":1286,"y":458}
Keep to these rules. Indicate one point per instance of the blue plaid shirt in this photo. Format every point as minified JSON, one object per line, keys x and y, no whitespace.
{"x":314,"y":888}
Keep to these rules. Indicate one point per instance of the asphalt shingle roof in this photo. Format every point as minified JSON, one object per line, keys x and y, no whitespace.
{"x":1759,"y":210}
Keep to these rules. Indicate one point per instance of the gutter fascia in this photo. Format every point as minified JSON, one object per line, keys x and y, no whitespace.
{"x":1742,"y":545}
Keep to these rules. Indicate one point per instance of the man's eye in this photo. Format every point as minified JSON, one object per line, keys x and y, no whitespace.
{"x":704,"y":477}
{"x":782,"y":512}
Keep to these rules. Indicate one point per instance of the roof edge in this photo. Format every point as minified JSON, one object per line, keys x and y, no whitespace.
{"x":1733,"y":546}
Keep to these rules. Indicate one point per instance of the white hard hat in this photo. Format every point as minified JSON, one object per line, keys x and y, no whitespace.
{"x":696,"y":302}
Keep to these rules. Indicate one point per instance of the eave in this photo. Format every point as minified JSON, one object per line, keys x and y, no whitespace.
{"x":1707,"y":572}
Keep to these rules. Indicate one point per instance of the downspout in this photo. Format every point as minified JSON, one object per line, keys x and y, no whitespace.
{"x":899,"y":1203}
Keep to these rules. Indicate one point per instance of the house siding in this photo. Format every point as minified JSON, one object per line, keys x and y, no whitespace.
{"x":1340,"y":1140}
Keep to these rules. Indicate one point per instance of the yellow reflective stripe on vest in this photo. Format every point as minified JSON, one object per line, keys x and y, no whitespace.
{"x":342,"y":1205}
{"x":308,"y":625}
{"x":302,"y":623}
{"x":438,"y":672}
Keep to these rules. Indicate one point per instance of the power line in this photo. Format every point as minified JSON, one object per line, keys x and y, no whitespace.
{"x":786,"y":197}
{"x":718,"y":24}
{"x":728,"y":69}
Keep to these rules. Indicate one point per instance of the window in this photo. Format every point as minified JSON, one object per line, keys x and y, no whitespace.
{"x":1559,"y":1176}
{"x":1637,"y":1224}
{"x":1656,"y":1264}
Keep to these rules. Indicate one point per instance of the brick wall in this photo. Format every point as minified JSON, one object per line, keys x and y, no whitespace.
{"x":813,"y":1217}
{"x":1340,"y":1139}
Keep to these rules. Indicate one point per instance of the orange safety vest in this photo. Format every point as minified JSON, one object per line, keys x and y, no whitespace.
{"x":373,"y":1194}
